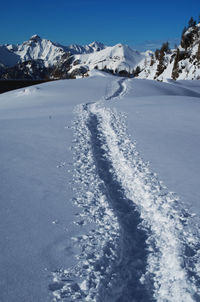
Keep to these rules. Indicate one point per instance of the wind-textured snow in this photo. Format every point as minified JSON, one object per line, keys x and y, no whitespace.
{"x":132,"y":239}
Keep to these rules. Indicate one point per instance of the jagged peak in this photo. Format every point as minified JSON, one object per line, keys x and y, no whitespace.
{"x":119,"y":45}
{"x":95,"y":44}
{"x":123,"y":47}
{"x":35,"y":38}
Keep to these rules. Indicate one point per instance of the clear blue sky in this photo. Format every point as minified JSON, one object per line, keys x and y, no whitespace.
{"x":137,"y":23}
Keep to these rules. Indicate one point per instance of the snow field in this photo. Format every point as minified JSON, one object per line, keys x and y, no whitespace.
{"x":36,"y":186}
{"x":126,"y":237}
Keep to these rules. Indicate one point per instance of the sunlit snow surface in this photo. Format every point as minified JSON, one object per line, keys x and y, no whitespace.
{"x":84,"y":216}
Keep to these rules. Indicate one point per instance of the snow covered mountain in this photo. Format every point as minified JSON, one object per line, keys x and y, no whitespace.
{"x":181,"y":63}
{"x":42,"y":49}
{"x":36,"y":48}
{"x":55,"y":58}
{"x":116,"y":58}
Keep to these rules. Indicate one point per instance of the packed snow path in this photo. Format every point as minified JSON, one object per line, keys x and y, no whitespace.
{"x":142,"y":248}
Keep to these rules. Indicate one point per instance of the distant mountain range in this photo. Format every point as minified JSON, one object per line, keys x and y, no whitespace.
{"x":42,"y":59}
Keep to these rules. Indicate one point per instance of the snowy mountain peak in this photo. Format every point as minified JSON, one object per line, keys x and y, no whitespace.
{"x":37,"y":48}
{"x":115,"y":58}
{"x":97,"y":45}
{"x":120,"y":45}
{"x":35,"y":38}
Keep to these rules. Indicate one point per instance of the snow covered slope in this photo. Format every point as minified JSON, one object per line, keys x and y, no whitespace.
{"x":116,"y":58}
{"x":83,"y":216}
{"x":37,"y":215}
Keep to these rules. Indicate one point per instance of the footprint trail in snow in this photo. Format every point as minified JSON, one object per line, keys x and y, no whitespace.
{"x":142,"y":247}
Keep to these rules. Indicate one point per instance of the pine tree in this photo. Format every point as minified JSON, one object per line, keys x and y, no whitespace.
{"x":187,"y":39}
{"x":157,"y":54}
{"x":165,"y":47}
{"x":160,"y":55}
{"x":152,"y":60}
{"x":191,"y":22}
{"x":137,"y":71}
{"x":175,"y":73}
{"x":161,"y":66}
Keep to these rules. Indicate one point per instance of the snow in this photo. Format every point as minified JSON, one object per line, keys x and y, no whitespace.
{"x":35,"y":138}
{"x":140,"y":186}
{"x":90,"y":48}
{"x":88,"y":170}
{"x":164,"y":120}
{"x":37,"y":48}
{"x":120,"y":57}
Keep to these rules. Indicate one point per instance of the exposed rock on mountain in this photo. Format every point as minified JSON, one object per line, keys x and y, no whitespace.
{"x":28,"y":70}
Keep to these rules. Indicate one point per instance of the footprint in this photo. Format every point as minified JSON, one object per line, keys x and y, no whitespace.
{"x":55,"y":286}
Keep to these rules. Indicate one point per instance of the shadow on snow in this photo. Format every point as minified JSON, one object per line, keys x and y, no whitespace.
{"x":132,"y":249}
